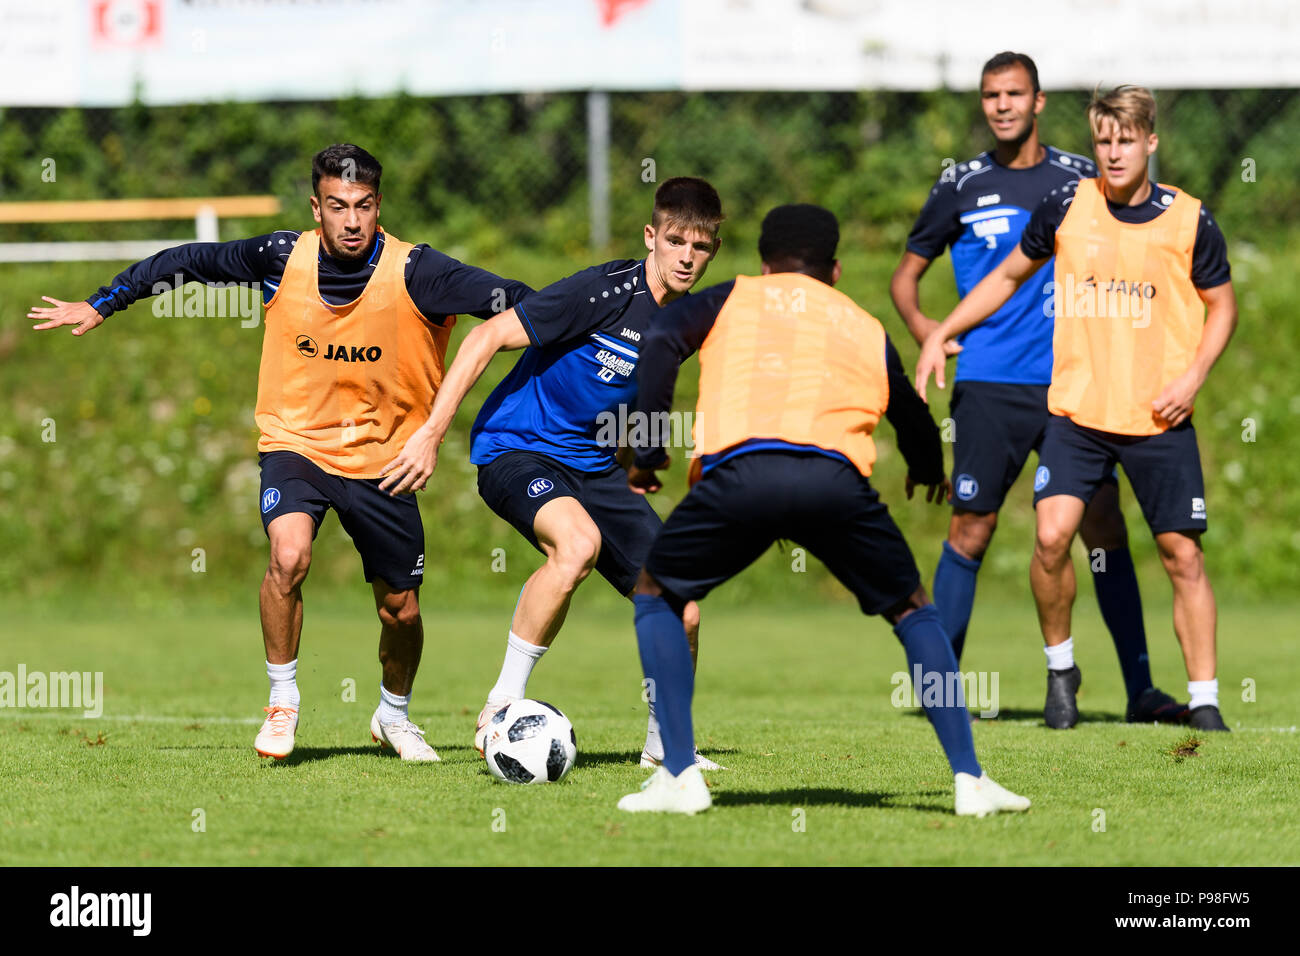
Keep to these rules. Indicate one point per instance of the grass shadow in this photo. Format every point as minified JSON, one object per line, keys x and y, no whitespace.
{"x":821,"y":797}
{"x":587,"y":758}
{"x":305,"y":754}
{"x":633,"y":757}
{"x":1036,"y":714}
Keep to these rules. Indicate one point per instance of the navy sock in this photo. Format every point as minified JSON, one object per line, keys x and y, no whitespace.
{"x":1121,"y":609}
{"x":666,"y":660}
{"x":927,"y":647}
{"x":954,"y":594}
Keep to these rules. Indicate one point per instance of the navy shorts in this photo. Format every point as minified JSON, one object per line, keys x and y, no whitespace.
{"x":1164,"y":470}
{"x":997,"y":425}
{"x":517,"y":484}
{"x":821,"y":503}
{"x":386,"y":529}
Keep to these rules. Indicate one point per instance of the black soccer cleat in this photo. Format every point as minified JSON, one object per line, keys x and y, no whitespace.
{"x":1155,"y":706}
{"x":1061,"y":712}
{"x":1207,"y":717}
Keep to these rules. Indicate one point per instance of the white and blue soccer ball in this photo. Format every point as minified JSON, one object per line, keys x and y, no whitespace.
{"x":530,"y":741}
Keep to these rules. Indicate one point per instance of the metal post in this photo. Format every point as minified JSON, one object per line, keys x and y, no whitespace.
{"x":598,"y":166}
{"x":205,"y":224}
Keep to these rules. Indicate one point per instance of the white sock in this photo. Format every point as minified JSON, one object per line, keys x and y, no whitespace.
{"x":392,"y":707}
{"x":1203,"y":692}
{"x":521,"y":658}
{"x":284,"y":683}
{"x":1060,"y":657}
{"x":653,"y":745}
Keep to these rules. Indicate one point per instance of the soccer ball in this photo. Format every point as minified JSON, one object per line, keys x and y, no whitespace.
{"x":530,"y":741}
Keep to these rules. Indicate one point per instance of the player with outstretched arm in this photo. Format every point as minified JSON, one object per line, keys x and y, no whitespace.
{"x":999,"y":402}
{"x":794,"y":377}
{"x":1144,"y":307}
{"x":357,"y":323}
{"x":545,"y":442}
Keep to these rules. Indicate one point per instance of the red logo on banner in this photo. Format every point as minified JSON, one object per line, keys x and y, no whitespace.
{"x":126,"y":23}
{"x":611,"y":10}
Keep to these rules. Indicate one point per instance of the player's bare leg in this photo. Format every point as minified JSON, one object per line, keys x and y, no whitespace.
{"x":1195,"y":622}
{"x":280,"y":605}
{"x":1105,"y":537}
{"x":280,"y":600}
{"x":1195,"y":615}
{"x":570,"y":542}
{"x":401,"y":636}
{"x":1051,"y":576}
{"x":401,"y":643}
{"x":1103,"y":525}
{"x":971,"y":532}
{"x":1051,"y":573}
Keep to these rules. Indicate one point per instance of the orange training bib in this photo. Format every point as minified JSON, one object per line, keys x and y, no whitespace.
{"x":792,"y":359}
{"x":1128,"y":319}
{"x":345,"y":386}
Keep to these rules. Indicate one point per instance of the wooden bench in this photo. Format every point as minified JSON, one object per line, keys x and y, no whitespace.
{"x":205,"y":211}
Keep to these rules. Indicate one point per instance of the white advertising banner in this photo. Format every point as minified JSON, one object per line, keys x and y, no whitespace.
{"x":109,"y":52}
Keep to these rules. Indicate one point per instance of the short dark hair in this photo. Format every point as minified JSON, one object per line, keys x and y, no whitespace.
{"x":346,"y":162}
{"x":1007,"y":59}
{"x":800,"y":238}
{"x":687,"y":202}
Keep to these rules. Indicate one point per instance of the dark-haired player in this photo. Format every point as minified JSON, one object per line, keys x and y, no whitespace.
{"x":1144,"y":307}
{"x":357,"y":323}
{"x":794,"y":378}
{"x":999,"y":401}
{"x":543,"y":441}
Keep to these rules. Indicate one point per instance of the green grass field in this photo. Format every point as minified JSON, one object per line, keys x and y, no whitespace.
{"x":795,"y":701}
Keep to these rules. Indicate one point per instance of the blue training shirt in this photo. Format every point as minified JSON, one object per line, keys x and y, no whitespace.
{"x":980,"y":208}
{"x":562,"y":398}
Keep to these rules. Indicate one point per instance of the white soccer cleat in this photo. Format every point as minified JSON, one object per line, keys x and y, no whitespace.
{"x":275,"y":739}
{"x":649,"y":761}
{"x":485,"y":716}
{"x":404,"y":737}
{"x":663,"y":793}
{"x":980,"y":796}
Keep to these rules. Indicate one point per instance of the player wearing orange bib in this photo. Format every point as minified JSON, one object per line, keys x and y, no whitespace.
{"x":357,"y":323}
{"x":1137,"y":266}
{"x":794,"y":379}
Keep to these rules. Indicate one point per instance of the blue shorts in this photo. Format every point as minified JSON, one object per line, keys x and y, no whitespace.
{"x":997,"y":425}
{"x":516,"y":485}
{"x":745,"y":503}
{"x":386,"y":529}
{"x":1164,"y":470}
